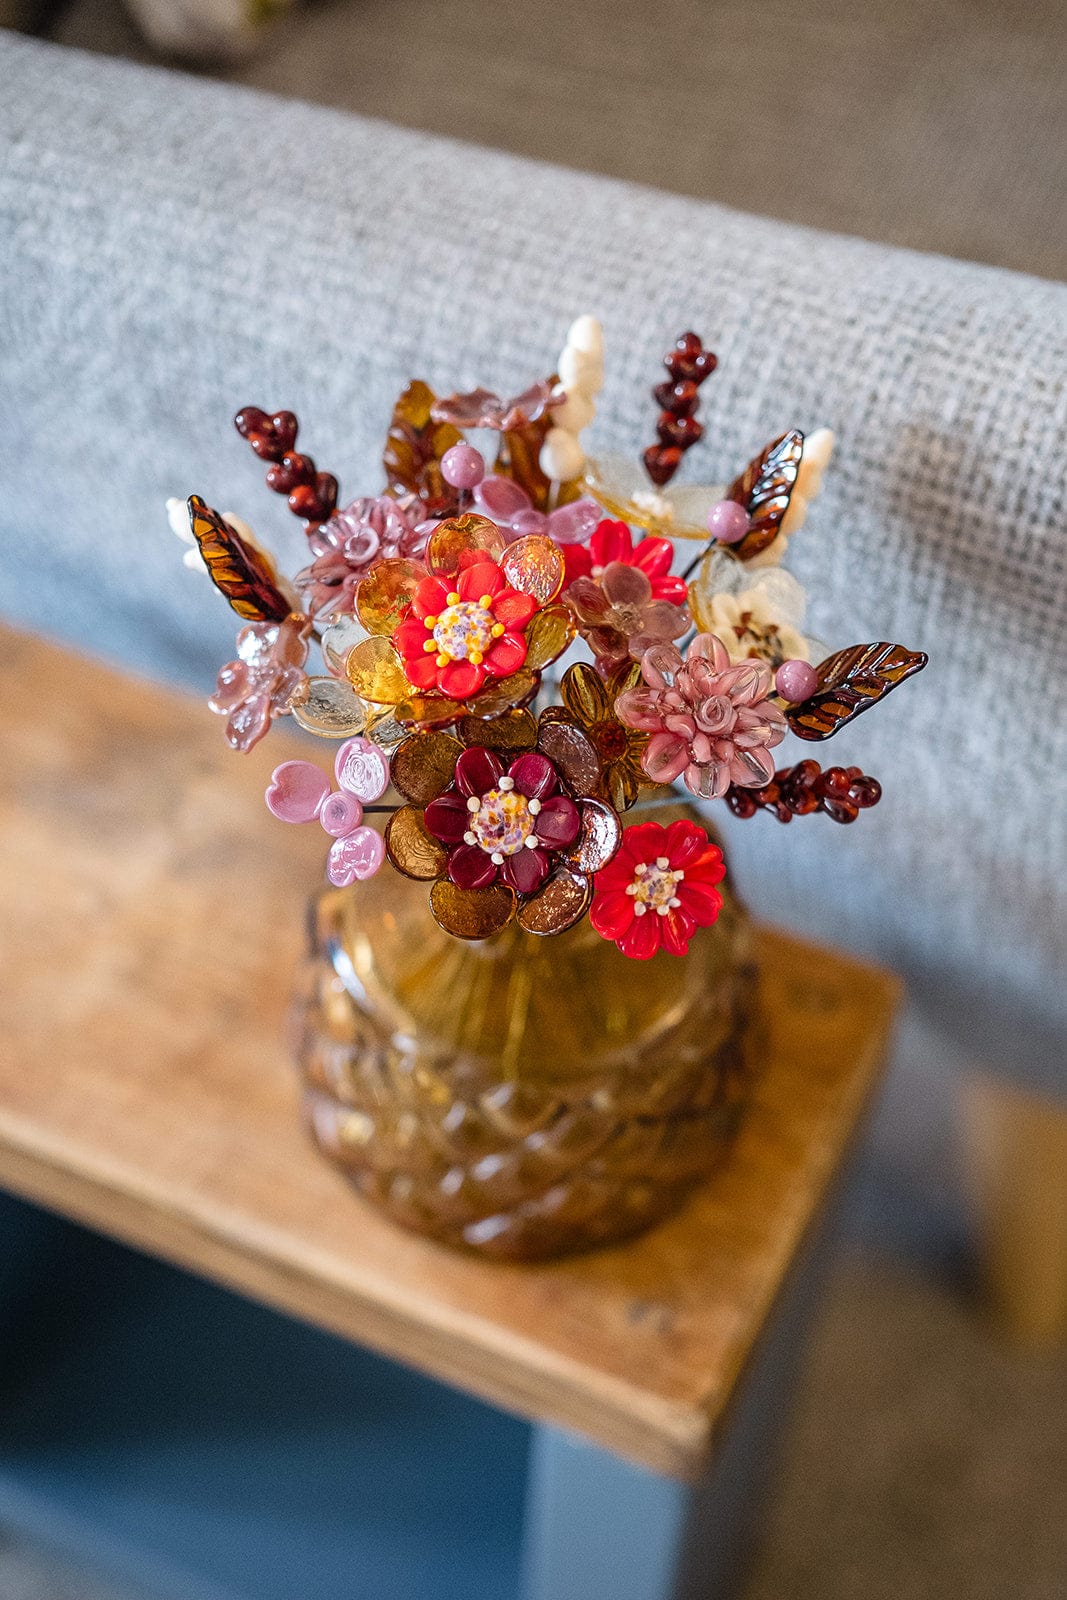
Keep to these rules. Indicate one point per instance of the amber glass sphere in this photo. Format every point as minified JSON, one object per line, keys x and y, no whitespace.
{"x":522,"y":1096}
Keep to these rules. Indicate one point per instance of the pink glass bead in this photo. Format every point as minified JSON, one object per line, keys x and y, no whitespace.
{"x":362,"y":769}
{"x":341,"y":814}
{"x":796,"y":681}
{"x":728,"y":522}
{"x":355,"y":857}
{"x":463,"y":466}
{"x":296,"y":791}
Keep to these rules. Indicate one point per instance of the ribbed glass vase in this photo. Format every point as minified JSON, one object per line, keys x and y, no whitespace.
{"x":522,"y":1097}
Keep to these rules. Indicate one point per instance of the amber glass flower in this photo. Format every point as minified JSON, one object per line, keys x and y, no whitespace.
{"x":589,"y":701}
{"x":503,"y":819}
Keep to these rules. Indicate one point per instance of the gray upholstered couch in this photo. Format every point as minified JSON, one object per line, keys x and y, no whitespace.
{"x":171,"y":249}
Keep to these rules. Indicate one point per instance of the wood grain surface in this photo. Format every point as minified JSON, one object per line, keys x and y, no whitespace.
{"x":151,"y":913}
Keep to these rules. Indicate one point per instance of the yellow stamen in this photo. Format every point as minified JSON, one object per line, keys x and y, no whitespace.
{"x":475,"y":658}
{"x":431,"y":644}
{"x":453,"y":598}
{"x":486,"y":602}
{"x":497,"y":630}
{"x":429,"y":622}
{"x":443,"y":660}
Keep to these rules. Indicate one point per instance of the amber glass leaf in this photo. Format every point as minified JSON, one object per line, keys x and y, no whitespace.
{"x":512,"y":730}
{"x":622,"y":785}
{"x":386,"y":592}
{"x":559,"y":904}
{"x":426,"y":711}
{"x":503,"y":693}
{"x":240,"y":572}
{"x":548,"y":634}
{"x":329,"y":707}
{"x":574,"y":755}
{"x":585,"y":694}
{"x":764,"y":489}
{"x":471,"y":913}
{"x":534,"y":565}
{"x":413,"y":450}
{"x":850,"y":682}
{"x":519,"y":454}
{"x":460,"y":536}
{"x":424,"y":764}
{"x":411,"y":847}
{"x":374,"y":671}
{"x":598,"y":840}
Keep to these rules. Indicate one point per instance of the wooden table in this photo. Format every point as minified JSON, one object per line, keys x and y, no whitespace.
{"x":150,"y":916}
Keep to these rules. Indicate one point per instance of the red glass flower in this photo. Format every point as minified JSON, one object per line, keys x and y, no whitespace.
{"x":658,"y":889}
{"x":613,"y":541}
{"x":458,"y":632}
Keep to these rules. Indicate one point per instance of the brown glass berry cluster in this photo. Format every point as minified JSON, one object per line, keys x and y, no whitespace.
{"x":840,"y":792}
{"x":311,"y":494}
{"x":678,"y":429}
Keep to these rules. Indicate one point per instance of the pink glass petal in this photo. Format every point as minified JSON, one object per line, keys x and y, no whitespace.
{"x":296,"y":791}
{"x":666,"y":757}
{"x":478,"y":770}
{"x":501,"y":498}
{"x":626,"y":586}
{"x":341,"y":814}
{"x":354,"y":858}
{"x":362,"y":769}
{"x":574,"y":523}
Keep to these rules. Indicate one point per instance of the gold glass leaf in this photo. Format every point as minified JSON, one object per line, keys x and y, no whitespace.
{"x":512,"y":730}
{"x":574,"y":755}
{"x":411,"y":847}
{"x":584,"y":694}
{"x":386,"y":592}
{"x":460,"y":536}
{"x":471,"y":913}
{"x":563,"y":900}
{"x":413,"y":451}
{"x":329,"y":707}
{"x":599,"y":839}
{"x":383,"y":728}
{"x":374,"y":671}
{"x":500,"y":694}
{"x":548,"y":634}
{"x":340,"y":635}
{"x":427,"y":711}
{"x":534,"y":566}
{"x":424,"y":764}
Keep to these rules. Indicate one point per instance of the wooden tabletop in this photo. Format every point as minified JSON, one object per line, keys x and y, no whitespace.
{"x":151,"y":912}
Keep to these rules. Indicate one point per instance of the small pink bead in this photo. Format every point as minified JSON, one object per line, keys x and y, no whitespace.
{"x":341,"y":813}
{"x":462,"y":466}
{"x":728,"y":522}
{"x":796,"y":681}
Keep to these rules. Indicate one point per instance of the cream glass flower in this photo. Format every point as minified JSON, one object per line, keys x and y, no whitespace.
{"x":757,"y":615}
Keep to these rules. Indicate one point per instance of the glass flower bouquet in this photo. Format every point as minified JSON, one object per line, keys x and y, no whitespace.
{"x":498,"y":1097}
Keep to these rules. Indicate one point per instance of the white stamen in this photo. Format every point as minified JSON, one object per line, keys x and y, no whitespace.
{"x":469,"y":838}
{"x":673,"y":901}
{"x":531,"y":841}
{"x":474,"y":804}
{"x":662,"y":862}
{"x":631,"y":888}
{"x":639,"y":908}
{"x":497,"y":859}
{"x":506,"y":784}
{"x":661,"y":911}
{"x":533,"y":807}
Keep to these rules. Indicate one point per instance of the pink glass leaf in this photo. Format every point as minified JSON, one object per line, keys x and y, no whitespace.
{"x":362,"y":769}
{"x":355,"y":857}
{"x":296,"y":791}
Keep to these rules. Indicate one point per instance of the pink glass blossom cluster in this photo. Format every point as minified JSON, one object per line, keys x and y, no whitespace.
{"x":299,"y":791}
{"x":372,"y":529}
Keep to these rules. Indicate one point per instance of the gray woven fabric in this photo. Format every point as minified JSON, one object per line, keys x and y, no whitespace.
{"x":172,"y":249}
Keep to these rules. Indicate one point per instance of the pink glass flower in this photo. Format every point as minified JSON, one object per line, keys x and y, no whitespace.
{"x":483,"y":409}
{"x":510,"y":507}
{"x":354,"y":539}
{"x":658,"y":889}
{"x":260,"y":684}
{"x":711,"y":723}
{"x":613,"y":541}
{"x":299,"y":791}
{"x":618,"y":616}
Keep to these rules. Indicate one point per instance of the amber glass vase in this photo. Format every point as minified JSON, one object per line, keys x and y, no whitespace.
{"x":522,"y":1097}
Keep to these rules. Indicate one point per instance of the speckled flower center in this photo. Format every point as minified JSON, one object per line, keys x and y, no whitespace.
{"x":654,"y":887}
{"x":502,"y":823}
{"x":464,"y":630}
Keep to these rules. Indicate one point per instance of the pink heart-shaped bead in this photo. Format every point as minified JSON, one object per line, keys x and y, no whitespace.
{"x":357,"y":856}
{"x":296,"y":791}
{"x":362,"y":769}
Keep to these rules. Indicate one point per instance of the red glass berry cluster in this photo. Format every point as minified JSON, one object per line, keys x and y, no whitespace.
{"x":678,"y":429}
{"x":840,"y":792}
{"x":311,"y":494}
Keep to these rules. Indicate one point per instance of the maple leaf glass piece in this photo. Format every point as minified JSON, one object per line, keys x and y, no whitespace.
{"x":850,"y":682}
{"x":413,"y":450}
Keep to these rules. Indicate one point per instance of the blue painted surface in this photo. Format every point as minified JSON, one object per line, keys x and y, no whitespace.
{"x":210,"y":1448}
